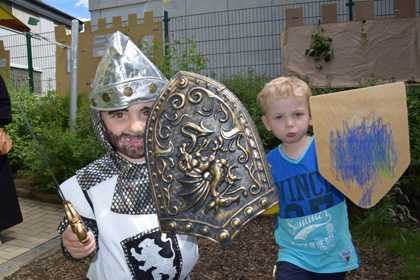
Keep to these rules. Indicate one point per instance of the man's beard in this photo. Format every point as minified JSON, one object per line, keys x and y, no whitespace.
{"x":121,"y":144}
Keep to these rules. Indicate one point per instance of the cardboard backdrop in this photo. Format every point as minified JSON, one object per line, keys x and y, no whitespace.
{"x":362,"y":140}
{"x":380,"y":50}
{"x":92,"y":45}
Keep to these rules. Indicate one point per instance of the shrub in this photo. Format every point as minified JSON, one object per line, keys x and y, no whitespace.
{"x":410,"y":182}
{"x":246,"y":86}
{"x":180,"y":55}
{"x":57,"y":151}
{"x":66,"y":150}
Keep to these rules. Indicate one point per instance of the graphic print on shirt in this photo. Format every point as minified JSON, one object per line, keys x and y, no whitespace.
{"x":315,"y":231}
{"x":306,"y":194}
{"x":153,"y":255}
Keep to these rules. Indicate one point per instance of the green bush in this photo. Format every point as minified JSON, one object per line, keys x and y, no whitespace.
{"x":58,"y":151}
{"x":180,"y":55}
{"x":246,"y":86}
{"x":410,"y":182}
{"x":67,"y":150}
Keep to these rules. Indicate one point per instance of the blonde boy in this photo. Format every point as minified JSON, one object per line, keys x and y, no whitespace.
{"x":312,"y":230}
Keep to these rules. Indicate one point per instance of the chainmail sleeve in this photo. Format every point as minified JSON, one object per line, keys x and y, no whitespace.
{"x":90,"y":225}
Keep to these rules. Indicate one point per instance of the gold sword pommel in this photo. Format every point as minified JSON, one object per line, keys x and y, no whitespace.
{"x":75,"y":222}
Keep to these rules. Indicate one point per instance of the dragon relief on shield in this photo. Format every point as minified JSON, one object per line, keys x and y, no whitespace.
{"x":207,"y":166}
{"x":207,"y":171}
{"x":208,"y":180}
{"x":206,"y":174}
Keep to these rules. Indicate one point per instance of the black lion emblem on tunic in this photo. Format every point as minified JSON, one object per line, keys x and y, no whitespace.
{"x":153,"y":255}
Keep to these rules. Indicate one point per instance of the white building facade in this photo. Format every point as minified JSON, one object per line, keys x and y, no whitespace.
{"x":43,"y":51}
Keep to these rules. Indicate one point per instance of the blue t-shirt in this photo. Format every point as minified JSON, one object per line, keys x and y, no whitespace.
{"x":312,"y":228}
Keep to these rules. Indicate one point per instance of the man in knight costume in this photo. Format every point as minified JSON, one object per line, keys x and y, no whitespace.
{"x":112,"y":194}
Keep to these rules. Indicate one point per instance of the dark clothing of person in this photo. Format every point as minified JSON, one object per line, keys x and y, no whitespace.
{"x":5,"y":107}
{"x":10,"y":213}
{"x":288,"y":271}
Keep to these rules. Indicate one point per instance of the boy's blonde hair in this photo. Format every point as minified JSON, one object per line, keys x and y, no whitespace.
{"x":282,"y":87}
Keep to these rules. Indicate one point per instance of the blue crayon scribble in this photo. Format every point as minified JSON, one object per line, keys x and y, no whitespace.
{"x":363,"y":151}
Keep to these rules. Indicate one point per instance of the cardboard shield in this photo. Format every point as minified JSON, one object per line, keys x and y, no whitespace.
{"x":206,"y":162}
{"x":362,"y":140}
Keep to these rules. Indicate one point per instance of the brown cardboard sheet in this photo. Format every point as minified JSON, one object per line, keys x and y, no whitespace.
{"x":362,"y":140}
{"x":383,"y":50}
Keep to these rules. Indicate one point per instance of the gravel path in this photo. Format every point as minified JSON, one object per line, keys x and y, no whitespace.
{"x":250,"y":256}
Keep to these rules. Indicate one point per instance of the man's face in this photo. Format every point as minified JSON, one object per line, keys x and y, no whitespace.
{"x":126,"y":129}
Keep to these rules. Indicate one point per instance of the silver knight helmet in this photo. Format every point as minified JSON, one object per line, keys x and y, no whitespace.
{"x":124,"y":76}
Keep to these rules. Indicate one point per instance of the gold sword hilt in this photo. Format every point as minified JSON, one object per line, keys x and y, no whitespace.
{"x":75,"y":222}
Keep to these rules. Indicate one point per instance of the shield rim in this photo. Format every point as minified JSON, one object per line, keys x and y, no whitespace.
{"x":270,"y":195}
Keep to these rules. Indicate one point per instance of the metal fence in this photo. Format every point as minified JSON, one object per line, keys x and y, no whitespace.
{"x":43,"y":58}
{"x":243,"y":40}
{"x":233,"y":42}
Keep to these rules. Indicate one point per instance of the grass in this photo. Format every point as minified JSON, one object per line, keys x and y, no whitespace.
{"x":377,"y":229}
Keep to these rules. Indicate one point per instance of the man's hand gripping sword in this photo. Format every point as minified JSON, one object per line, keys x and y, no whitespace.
{"x":75,"y":222}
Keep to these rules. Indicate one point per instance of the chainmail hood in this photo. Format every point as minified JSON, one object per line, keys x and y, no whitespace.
{"x":124,"y":76}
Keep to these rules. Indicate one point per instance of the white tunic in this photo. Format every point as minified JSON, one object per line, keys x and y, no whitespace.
{"x":130,"y":246}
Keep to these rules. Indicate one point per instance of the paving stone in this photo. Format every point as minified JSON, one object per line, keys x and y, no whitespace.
{"x":40,"y":221}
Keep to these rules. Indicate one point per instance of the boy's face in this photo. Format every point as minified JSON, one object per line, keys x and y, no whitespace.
{"x":288,"y":119}
{"x":126,"y":129}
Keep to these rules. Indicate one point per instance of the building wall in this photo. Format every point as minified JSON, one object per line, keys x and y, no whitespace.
{"x":110,"y":8}
{"x":234,"y":35}
{"x":92,"y":46}
{"x":44,"y":25}
{"x":43,"y":52}
{"x":20,"y":77}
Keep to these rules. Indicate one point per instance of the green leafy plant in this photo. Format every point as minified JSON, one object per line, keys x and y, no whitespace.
{"x":180,"y":55}
{"x":320,"y":48}
{"x":246,"y":86}
{"x":396,"y":232}
{"x":409,"y":183}
{"x":63,"y":149}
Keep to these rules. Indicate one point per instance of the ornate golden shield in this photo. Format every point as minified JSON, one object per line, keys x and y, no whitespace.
{"x":206,"y":162}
